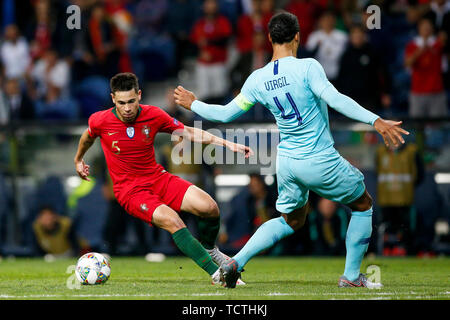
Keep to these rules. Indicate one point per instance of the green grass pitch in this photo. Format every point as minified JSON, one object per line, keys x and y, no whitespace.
{"x":267,"y":278}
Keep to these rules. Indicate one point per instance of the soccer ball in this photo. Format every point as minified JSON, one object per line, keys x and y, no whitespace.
{"x":93,"y":268}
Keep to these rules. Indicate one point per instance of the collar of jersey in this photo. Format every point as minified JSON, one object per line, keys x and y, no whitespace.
{"x":115,"y":113}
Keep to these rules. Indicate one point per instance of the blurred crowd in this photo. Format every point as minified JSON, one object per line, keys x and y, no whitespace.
{"x":51,"y":71}
{"x":90,"y":219}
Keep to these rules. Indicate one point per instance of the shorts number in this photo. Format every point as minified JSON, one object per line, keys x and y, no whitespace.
{"x":114,"y":146}
{"x":296,"y":113}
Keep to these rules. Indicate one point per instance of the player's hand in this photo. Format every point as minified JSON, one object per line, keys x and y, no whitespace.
{"x":390,"y":131}
{"x":82,"y":170}
{"x":247,"y":151}
{"x":184,"y":97}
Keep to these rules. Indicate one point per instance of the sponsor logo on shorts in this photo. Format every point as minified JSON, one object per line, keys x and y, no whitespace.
{"x":144,"y":207}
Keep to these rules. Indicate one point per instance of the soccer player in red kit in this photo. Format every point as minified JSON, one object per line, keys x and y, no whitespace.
{"x":143,"y":187}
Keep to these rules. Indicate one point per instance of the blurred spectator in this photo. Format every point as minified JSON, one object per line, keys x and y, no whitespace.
{"x":251,"y":44}
{"x":439,"y":14}
{"x":180,"y":19}
{"x":267,"y":11}
{"x":351,"y":12}
{"x":102,"y":43}
{"x":328,"y":226}
{"x":255,"y":59}
{"x":56,"y":106}
{"x":19,"y":105}
{"x":41,"y":33}
{"x":423,"y":56}
{"x":211,"y":34}
{"x":247,"y":26}
{"x":399,"y":172}
{"x":54,"y":234}
{"x":362,"y":75}
{"x":151,"y":48}
{"x":15,"y":53}
{"x":251,"y":207}
{"x":49,"y":73}
{"x":306,"y":12}
{"x":327,"y":44}
{"x":122,"y":20}
{"x":48,"y":83}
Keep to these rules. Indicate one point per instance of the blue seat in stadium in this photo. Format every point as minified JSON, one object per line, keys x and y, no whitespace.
{"x":4,"y":211}
{"x":92,"y":95}
{"x":51,"y":193}
{"x":90,"y":217}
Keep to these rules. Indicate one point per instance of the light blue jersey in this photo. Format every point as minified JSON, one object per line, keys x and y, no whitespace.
{"x":292,"y":89}
{"x":297,"y":93}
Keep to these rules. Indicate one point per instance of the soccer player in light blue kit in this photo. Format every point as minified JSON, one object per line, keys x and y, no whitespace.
{"x":297,"y":92}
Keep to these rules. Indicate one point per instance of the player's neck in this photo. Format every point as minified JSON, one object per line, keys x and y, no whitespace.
{"x":282,"y":53}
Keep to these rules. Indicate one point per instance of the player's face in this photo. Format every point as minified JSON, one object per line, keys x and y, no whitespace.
{"x":127,"y":104}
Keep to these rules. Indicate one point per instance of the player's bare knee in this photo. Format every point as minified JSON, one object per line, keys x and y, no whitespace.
{"x":209,"y":209}
{"x":174,"y":224}
{"x":213,"y":211}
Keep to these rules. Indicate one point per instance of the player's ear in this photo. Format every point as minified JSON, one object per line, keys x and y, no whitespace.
{"x":140,"y":94}
{"x":113,"y":98}
{"x":270,"y":38}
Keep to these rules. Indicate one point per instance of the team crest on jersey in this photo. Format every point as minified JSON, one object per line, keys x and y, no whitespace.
{"x":130,"y":132}
{"x":146,"y":131}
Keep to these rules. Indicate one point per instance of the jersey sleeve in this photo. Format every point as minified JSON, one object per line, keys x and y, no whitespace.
{"x":94,"y":126}
{"x":167,"y":123}
{"x":317,"y":79}
{"x":247,"y":98}
{"x":324,"y":90}
{"x":231,"y":111}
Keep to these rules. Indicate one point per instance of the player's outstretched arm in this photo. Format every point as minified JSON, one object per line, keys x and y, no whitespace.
{"x":201,"y":136}
{"x":211,"y":112}
{"x":389,"y":130}
{"x":322,"y":88}
{"x":81,"y":167}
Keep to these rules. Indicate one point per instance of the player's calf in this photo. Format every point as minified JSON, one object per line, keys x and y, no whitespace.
{"x":167,"y":219}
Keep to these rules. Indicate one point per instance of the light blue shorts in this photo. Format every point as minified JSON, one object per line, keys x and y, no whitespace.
{"x":328,"y":174}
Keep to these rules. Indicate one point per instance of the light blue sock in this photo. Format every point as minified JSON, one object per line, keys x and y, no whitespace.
{"x":357,"y":242}
{"x":266,"y":236}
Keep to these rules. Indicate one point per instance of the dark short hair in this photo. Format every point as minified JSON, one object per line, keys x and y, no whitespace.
{"x":124,"y":82}
{"x":283,"y":27}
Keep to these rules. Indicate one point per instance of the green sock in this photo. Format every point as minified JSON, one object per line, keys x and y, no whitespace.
{"x":208,"y":229}
{"x":194,"y":250}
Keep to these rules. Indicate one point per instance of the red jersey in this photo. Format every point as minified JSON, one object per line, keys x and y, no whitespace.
{"x":215,"y":33}
{"x":128,"y":147}
{"x":426,"y":77}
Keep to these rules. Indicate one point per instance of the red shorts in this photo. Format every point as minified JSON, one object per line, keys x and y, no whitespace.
{"x":143,"y":200}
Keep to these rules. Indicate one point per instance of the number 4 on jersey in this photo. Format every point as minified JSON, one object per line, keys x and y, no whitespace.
{"x":294,"y":106}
